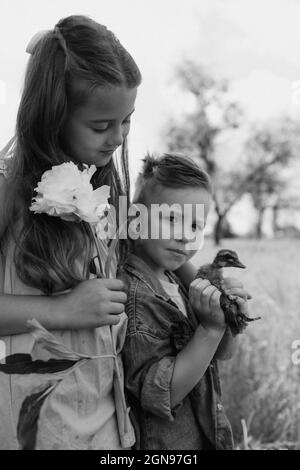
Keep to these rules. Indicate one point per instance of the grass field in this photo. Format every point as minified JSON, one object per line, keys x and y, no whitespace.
{"x":261,"y":385}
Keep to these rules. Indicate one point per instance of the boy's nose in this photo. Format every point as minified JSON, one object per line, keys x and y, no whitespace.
{"x":182,"y":236}
{"x":190,"y":239}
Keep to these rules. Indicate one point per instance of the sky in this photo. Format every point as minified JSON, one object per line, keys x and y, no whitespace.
{"x":252,"y":43}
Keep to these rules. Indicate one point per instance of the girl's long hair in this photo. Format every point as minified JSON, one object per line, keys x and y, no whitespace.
{"x":48,"y":248}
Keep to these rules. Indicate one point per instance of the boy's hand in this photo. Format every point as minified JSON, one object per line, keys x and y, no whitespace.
{"x":205,"y":300}
{"x":233,"y":286}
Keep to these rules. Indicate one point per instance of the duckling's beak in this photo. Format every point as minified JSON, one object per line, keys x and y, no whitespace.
{"x":238,"y":264}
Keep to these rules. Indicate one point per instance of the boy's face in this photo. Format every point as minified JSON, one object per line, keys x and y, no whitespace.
{"x":170,"y":254}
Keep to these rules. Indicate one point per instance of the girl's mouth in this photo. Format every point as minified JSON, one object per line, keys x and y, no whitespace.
{"x":107,"y":153}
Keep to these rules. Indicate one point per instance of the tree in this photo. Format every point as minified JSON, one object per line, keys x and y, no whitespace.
{"x":197,"y":134}
{"x":269,"y":150}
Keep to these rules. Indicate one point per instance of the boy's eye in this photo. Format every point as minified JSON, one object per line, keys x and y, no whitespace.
{"x":197,"y":226}
{"x":170,"y":218}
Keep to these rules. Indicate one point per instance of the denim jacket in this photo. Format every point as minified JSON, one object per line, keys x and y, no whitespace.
{"x":157,"y":330}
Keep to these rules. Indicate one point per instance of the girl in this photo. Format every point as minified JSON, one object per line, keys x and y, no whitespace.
{"x":78,"y":98}
{"x":171,"y":350}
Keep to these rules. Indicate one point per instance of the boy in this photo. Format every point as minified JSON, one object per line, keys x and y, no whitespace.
{"x":174,"y":339}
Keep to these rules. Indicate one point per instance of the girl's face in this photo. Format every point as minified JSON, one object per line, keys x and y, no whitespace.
{"x":96,"y":129}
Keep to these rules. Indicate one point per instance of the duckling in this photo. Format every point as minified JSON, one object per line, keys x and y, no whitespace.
{"x":235,"y":319}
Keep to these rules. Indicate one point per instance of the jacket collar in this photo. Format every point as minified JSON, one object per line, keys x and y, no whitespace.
{"x":138,"y":268}
{"x":144,"y":273}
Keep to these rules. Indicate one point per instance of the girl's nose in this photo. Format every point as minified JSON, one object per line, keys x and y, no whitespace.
{"x":115,"y":138}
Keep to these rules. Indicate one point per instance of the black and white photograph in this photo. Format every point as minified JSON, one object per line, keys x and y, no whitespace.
{"x":149,"y":227}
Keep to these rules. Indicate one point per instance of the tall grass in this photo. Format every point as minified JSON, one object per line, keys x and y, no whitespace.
{"x":261,"y":385}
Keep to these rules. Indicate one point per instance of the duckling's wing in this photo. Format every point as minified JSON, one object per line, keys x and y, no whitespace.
{"x":204,"y":271}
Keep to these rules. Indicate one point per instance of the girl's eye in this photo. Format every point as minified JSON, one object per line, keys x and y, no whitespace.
{"x":106,"y":126}
{"x":102,"y":129}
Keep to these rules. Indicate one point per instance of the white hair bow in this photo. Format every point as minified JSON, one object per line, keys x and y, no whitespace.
{"x":35,"y":39}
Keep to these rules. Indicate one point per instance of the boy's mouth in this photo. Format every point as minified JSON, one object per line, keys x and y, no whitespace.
{"x":179,"y":252}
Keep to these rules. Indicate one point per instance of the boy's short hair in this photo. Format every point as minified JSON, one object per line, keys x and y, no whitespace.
{"x":171,"y":170}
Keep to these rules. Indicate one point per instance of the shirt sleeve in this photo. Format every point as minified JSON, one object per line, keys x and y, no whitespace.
{"x":149,"y":369}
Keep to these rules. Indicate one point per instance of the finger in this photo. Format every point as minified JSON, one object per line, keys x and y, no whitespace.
{"x":199,"y":284}
{"x":116,"y":308}
{"x":199,"y":281}
{"x":118,"y":296}
{"x":195,"y":293}
{"x":230,"y":282}
{"x":206,"y":295}
{"x":238,"y":292}
{"x":113,"y":319}
{"x":114,"y":284}
{"x":243,"y":306}
{"x":214,"y":302}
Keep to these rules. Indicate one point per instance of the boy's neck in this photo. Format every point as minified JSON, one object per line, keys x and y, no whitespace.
{"x":159,"y":271}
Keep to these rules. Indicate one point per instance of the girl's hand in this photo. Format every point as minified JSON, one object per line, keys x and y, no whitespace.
{"x":205,"y":301}
{"x":93,"y":303}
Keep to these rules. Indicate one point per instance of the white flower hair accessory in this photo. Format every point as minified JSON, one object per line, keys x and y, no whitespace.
{"x":66,"y":192}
